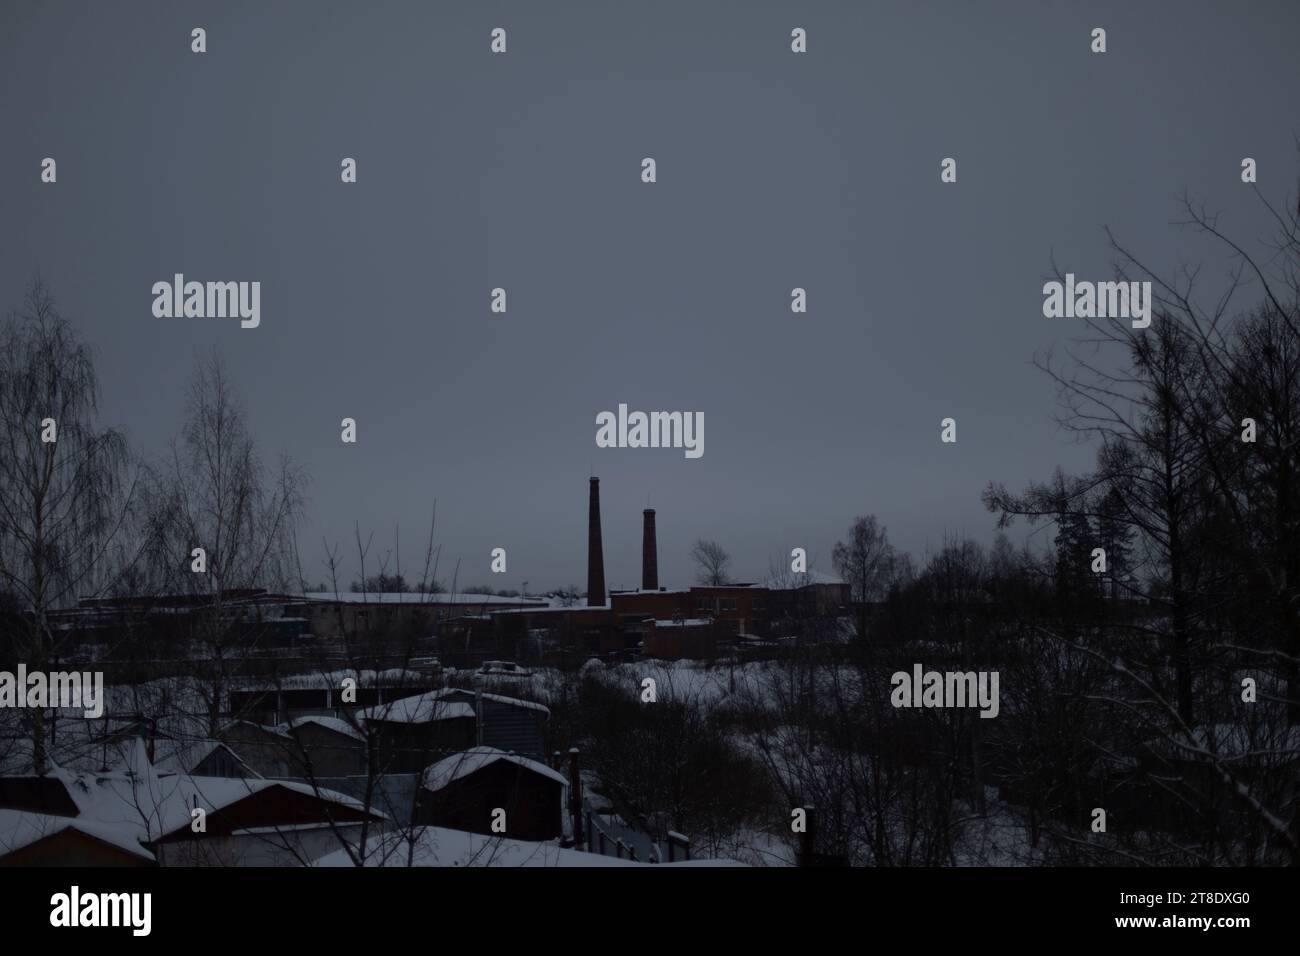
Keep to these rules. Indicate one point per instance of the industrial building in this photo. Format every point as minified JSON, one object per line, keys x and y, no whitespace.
{"x":144,"y":636}
{"x":654,"y":621}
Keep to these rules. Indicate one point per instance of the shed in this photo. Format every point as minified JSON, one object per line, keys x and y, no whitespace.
{"x":464,"y":792}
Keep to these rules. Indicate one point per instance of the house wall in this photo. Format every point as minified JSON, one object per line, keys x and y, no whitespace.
{"x":71,"y":848}
{"x":290,"y":828}
{"x":532,"y":802}
{"x":36,"y":795}
{"x":287,"y":847}
{"x":268,"y":754}
{"x":330,"y":753}
{"x":219,"y":763}
{"x":741,"y":609}
{"x":810,"y":600}
{"x":677,"y":643}
{"x":508,"y":727}
{"x":521,"y":730}
{"x":331,"y":620}
{"x":738,"y":610}
{"x":410,"y":747}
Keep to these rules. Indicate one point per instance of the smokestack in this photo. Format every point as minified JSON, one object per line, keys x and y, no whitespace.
{"x":595,"y":556}
{"x":649,"y":553}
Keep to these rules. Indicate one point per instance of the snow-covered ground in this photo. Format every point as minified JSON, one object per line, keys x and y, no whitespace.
{"x":437,"y":846}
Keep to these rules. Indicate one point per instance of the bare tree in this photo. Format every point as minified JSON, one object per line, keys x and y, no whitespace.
{"x":65,"y":486}
{"x":1199,"y":422}
{"x":864,"y":562}
{"x":214,"y":494}
{"x":712,"y":562}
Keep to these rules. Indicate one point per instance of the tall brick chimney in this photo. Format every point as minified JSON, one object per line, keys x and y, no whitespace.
{"x":595,"y":556}
{"x":649,"y":553}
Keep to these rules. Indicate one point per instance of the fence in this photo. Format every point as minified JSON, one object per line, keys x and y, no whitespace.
{"x":608,"y":834}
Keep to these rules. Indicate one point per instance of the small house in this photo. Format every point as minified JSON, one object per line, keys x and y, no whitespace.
{"x":489,"y":791}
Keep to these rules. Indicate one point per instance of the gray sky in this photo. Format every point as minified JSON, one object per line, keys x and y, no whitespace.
{"x":775,"y":170}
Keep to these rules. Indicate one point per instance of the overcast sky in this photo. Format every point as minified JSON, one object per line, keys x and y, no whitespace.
{"x":522,"y":170}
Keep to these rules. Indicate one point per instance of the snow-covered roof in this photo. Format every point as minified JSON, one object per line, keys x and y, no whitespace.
{"x":463,"y":764}
{"x":336,"y":724}
{"x":349,"y":597}
{"x":434,"y":705}
{"x":512,"y":701}
{"x":787,"y":581}
{"x":139,"y":802}
{"x":177,"y":756}
{"x":555,"y":609}
{"x":418,"y":710}
{"x":707,"y":862}
{"x":19,"y":829}
{"x":438,"y":846}
{"x":332,"y":680}
{"x":652,"y":591}
{"x":264,"y":728}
